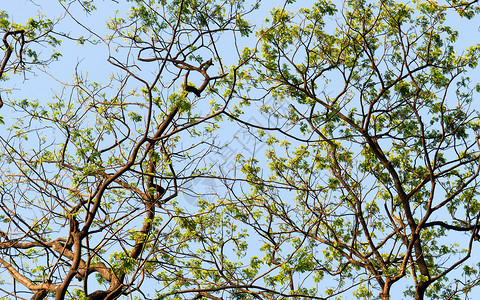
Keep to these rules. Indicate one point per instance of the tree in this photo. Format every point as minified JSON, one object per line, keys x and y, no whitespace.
{"x":377,"y":154}
{"x":367,"y":185}
{"x":89,"y":179}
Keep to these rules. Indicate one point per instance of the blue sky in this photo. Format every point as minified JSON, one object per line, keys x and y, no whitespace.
{"x":92,"y":58}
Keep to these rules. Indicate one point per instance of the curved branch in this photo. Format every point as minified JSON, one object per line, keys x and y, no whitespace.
{"x":9,"y":52}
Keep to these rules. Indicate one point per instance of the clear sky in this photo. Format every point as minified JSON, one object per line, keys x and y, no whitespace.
{"x":92,"y":59}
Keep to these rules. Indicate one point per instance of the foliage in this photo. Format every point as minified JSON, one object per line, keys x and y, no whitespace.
{"x":338,"y":150}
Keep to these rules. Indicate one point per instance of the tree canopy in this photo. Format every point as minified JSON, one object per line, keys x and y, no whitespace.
{"x":225,"y":149}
